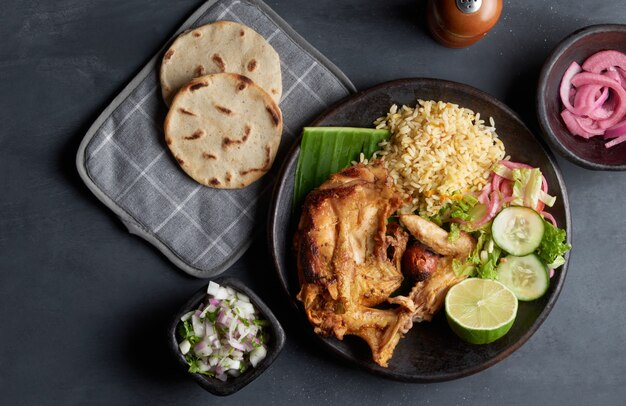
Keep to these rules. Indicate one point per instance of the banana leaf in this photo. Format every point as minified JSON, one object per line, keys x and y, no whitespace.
{"x":327,"y":150}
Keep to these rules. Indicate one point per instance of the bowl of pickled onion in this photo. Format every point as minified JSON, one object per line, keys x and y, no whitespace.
{"x":581,"y":97}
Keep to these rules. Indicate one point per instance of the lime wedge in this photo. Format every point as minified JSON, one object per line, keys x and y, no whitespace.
{"x":480,"y":310}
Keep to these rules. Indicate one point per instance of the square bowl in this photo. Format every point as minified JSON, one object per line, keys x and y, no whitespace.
{"x":274,"y":345}
{"x":579,"y":45}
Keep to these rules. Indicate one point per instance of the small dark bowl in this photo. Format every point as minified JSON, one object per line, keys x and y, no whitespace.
{"x":274,"y":345}
{"x":577,"y":47}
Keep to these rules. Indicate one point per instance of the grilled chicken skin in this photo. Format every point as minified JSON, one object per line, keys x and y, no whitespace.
{"x":348,"y":258}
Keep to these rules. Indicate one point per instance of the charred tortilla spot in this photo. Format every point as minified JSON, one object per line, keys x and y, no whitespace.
{"x":274,"y":115}
{"x":268,"y":157}
{"x":227,"y":142}
{"x":244,"y":79}
{"x":223,"y":109}
{"x":180,"y":161}
{"x":252,"y":65}
{"x":242,"y":33}
{"x":200,"y":71}
{"x":168,"y":140}
{"x":197,"y":134}
{"x":168,"y":54}
{"x":206,"y":155}
{"x":274,"y":91}
{"x":243,"y":82}
{"x":244,"y":173}
{"x":197,"y":34}
{"x":219,"y":62}
{"x":197,"y":86}
{"x":187,"y":112}
{"x":266,"y":165}
{"x":229,"y":176}
{"x":214,"y":182}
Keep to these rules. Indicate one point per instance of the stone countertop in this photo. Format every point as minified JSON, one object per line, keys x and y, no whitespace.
{"x":85,"y":305}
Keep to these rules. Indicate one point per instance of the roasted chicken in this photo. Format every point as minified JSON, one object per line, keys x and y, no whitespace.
{"x":349,"y":260}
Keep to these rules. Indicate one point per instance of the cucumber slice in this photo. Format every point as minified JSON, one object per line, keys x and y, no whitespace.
{"x":526,"y":276}
{"x":518,"y":230}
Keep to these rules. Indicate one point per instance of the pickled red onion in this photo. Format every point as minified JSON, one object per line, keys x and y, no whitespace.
{"x":594,"y":97}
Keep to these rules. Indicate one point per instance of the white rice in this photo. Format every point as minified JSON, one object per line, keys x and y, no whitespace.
{"x":437,"y":152}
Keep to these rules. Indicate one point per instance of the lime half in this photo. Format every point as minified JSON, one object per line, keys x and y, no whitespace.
{"x":480,"y":310}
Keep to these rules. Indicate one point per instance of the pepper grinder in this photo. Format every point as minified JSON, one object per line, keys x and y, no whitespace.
{"x":461,"y":23}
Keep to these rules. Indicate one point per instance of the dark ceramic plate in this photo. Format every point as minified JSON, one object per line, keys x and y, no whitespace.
{"x":274,"y":346}
{"x":430,"y":351}
{"x":577,"y":47}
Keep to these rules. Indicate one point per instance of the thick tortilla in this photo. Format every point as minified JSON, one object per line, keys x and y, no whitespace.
{"x":223,"y":46}
{"x":224,"y":130}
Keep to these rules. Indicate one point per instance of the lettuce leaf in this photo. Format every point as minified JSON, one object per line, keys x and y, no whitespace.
{"x":454,"y":232}
{"x":463,"y":268}
{"x":488,"y":269}
{"x":553,"y":245}
{"x":526,"y":187}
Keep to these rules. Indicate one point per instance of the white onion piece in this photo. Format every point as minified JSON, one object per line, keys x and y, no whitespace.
{"x":212,"y":288}
{"x":184,"y":346}
{"x":243,"y":330}
{"x":221,"y":294}
{"x":238,"y":355}
{"x":198,"y":325}
{"x":257,"y":355}
{"x":187,"y":315}
{"x":245,"y":308}
{"x":203,"y":366}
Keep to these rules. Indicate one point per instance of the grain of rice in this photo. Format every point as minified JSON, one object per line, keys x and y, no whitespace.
{"x":437,"y":150}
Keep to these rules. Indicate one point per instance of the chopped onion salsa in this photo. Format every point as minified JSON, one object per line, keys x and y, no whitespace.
{"x":224,"y":336}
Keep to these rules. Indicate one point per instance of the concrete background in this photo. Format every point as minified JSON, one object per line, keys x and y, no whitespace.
{"x":84,"y":305}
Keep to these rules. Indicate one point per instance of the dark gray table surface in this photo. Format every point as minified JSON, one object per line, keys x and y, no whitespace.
{"x":83,"y":304}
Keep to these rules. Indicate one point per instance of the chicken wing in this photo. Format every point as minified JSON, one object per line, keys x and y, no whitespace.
{"x":436,"y":237}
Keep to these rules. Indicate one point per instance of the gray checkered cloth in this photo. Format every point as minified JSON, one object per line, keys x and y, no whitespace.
{"x":124,"y":161}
